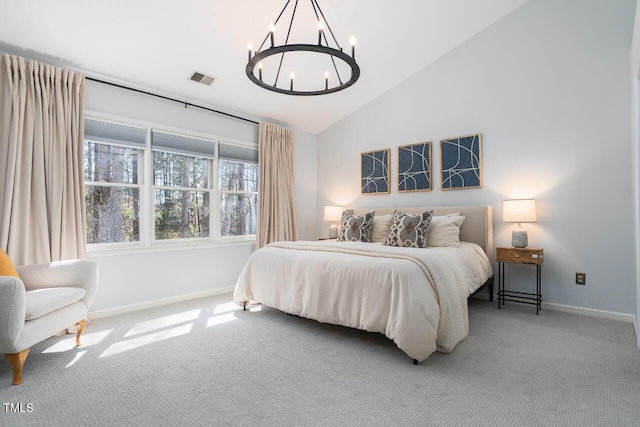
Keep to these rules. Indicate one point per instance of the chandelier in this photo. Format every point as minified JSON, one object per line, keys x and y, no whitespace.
{"x":339,"y":62}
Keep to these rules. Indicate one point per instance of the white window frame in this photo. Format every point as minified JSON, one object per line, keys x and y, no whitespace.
{"x":147,"y":187}
{"x":209,"y":189}
{"x":139,"y":186}
{"x":221,"y":192}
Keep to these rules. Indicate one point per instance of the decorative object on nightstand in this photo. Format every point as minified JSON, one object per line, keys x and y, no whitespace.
{"x":519,"y":211}
{"x":333,"y":214}
{"x":520,"y":256}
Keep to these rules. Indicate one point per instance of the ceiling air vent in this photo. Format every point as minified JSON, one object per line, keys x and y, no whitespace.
{"x":202,"y":78}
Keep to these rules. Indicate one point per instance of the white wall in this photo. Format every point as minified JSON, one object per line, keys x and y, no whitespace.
{"x":141,"y":278}
{"x":306,"y":191}
{"x":135,"y":279}
{"x":548,"y":87}
{"x":635,"y":84}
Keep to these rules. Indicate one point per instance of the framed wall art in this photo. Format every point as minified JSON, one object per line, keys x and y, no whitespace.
{"x":414,"y":167}
{"x":461,"y":162}
{"x":375,"y":172}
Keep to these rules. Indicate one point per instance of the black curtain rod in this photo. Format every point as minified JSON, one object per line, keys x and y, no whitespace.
{"x":171,"y":99}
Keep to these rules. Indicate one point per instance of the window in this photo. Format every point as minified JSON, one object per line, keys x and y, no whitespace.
{"x":181,"y":186}
{"x":238,"y":184}
{"x":146,"y":186}
{"x":239,"y":198}
{"x":112,"y":168}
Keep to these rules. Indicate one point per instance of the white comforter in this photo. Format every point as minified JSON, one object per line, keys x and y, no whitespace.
{"x":416,"y":297}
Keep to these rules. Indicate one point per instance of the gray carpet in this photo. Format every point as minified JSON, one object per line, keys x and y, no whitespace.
{"x":198,"y":364}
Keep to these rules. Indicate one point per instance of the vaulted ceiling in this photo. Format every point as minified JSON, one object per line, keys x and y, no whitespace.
{"x":156,"y":45}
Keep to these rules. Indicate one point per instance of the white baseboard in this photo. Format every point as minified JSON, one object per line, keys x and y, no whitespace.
{"x":612,"y":315}
{"x":157,"y":303}
{"x":623,"y":317}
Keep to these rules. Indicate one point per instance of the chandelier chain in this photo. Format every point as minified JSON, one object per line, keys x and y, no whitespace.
{"x":326,"y":23}
{"x":315,"y":4}
{"x":286,"y":41}
{"x":275,"y":22}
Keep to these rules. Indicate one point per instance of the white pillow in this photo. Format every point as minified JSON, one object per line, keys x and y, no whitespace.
{"x":444,"y":230}
{"x":381,"y":227}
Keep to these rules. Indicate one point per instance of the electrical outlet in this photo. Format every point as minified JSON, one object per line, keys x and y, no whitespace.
{"x":581,"y":278}
{"x":532,"y":273}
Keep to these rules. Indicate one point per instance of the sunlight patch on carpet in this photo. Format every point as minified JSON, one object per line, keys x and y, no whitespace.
{"x":163,"y":322}
{"x":225,"y":308}
{"x":217,"y":320}
{"x":86,"y":339}
{"x":122,"y":346}
{"x":76,"y":358}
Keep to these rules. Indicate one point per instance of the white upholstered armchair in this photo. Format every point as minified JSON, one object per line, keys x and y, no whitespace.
{"x":46,"y":299}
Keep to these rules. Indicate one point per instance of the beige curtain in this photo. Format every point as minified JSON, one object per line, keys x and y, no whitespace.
{"x":42,"y":214}
{"x":276,"y":207}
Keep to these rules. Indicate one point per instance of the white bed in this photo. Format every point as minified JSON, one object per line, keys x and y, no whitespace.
{"x":416,"y":297}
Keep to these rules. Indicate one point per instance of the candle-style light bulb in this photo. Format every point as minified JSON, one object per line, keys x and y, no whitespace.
{"x":250,"y":50}
{"x":326,"y":80}
{"x":272,"y":29}
{"x":291,"y":76}
{"x":353,"y":47}
{"x":320,"y":27}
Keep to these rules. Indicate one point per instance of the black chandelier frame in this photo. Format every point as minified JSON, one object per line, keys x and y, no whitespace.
{"x":256,"y":57}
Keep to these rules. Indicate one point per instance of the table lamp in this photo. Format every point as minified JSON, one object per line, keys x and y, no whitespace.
{"x":519,"y":211}
{"x":333,"y":213}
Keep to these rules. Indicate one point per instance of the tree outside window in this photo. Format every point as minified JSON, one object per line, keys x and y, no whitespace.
{"x":173,"y":198}
{"x":239,"y":198}
{"x":112,"y":193}
{"x":181,"y":196}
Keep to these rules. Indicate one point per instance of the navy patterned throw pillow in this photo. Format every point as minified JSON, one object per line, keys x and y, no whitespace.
{"x":409,"y":231}
{"x":355,"y":228}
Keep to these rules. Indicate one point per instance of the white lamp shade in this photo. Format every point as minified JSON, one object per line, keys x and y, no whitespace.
{"x":332,"y":213}
{"x":519,"y":210}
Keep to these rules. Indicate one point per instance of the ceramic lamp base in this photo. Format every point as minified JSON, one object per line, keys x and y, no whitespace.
{"x":519,"y":238}
{"x":333,"y":231}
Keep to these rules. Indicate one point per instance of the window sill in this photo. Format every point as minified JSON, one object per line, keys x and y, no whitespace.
{"x":132,"y":249}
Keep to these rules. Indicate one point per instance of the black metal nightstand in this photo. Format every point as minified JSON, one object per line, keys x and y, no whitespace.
{"x":520,"y":256}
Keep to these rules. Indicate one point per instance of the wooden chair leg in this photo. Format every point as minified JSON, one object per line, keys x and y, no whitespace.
{"x":17,"y":362}
{"x":81,"y":325}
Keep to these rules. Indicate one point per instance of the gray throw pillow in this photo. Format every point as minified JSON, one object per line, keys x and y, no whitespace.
{"x":409,"y":231}
{"x":355,"y":228}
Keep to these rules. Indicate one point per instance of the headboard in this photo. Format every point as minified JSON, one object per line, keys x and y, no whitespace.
{"x":476,"y":228}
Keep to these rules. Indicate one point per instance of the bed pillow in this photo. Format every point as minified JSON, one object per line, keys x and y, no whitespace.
{"x":409,"y":231}
{"x":6,"y":266}
{"x":444,"y":230}
{"x":355,"y":228}
{"x":381,"y":227}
